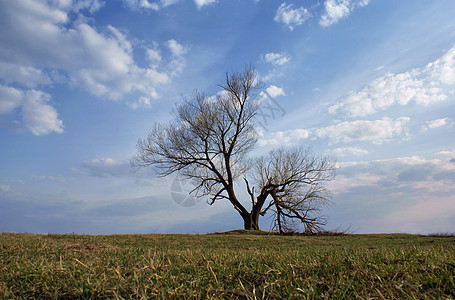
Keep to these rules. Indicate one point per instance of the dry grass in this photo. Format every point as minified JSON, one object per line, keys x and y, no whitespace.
{"x":226,"y":266}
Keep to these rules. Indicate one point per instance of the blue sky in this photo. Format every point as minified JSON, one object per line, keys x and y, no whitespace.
{"x":370,"y":82}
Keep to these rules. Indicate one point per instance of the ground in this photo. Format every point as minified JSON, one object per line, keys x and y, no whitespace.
{"x":235,"y":265}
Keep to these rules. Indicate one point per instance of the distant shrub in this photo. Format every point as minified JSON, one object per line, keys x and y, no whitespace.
{"x":335,"y":232}
{"x":442,"y":234}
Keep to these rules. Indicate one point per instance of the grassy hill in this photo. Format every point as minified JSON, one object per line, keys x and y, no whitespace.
{"x":234,"y":265}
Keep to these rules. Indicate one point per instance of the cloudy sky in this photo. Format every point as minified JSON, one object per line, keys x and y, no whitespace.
{"x":371,"y":82}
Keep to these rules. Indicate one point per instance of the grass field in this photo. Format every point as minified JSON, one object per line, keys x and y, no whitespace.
{"x":227,"y":266}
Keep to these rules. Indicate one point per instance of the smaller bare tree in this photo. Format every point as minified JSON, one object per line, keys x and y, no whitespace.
{"x":295,"y":179}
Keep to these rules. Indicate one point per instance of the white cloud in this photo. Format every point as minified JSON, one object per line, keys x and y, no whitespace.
{"x":406,"y":194}
{"x":10,"y":99}
{"x":142,"y":4}
{"x":142,"y":102}
{"x":42,"y":45}
{"x":148,"y":4}
{"x":91,"y":5}
{"x":269,"y":109}
{"x":283,"y":138}
{"x":107,"y":167}
{"x":276,"y":59}
{"x":344,"y":151}
{"x":377,"y":131}
{"x":338,"y":9}
{"x":159,"y":4}
{"x":443,"y":70}
{"x":178,"y":61}
{"x":421,"y":85}
{"x":105,"y":161}
{"x":413,"y":174}
{"x":435,"y":124}
{"x":26,"y":75}
{"x":345,"y":183}
{"x":291,"y":17}
{"x":58,"y":178}
{"x":41,"y":36}
{"x":335,"y":10}
{"x":273,"y":91}
{"x":446,"y":153}
{"x":362,"y":3}
{"x":176,"y":48}
{"x":38,"y":116}
{"x":153,"y":54}
{"x":168,"y":2}
{"x":201,"y":3}
{"x":5,"y":188}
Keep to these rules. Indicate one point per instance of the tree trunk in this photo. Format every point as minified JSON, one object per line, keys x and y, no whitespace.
{"x":250,"y":221}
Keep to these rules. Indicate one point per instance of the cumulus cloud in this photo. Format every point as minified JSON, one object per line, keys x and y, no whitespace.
{"x":159,"y":4}
{"x":178,"y":61}
{"x":422,"y":86}
{"x":109,"y":69}
{"x":107,"y":167}
{"x":291,"y":17}
{"x":273,"y":91}
{"x":10,"y":99}
{"x":176,"y":48}
{"x":412,"y":174}
{"x":147,"y":4}
{"x":153,"y":54}
{"x":435,"y":124}
{"x":59,"y":178}
{"x":407,"y":194}
{"x":269,"y":109}
{"x":5,"y":188}
{"x":346,"y":183}
{"x":344,"y":151}
{"x":338,"y":9}
{"x":142,"y":102}
{"x":377,"y":131}
{"x":446,"y":153}
{"x":443,"y":69}
{"x":334,"y":10}
{"x":90,"y":5}
{"x":26,"y":75}
{"x":276,"y":59}
{"x":283,"y":138}
{"x":201,"y":3}
{"x":37,"y":116}
{"x":42,"y":37}
{"x":43,"y":44}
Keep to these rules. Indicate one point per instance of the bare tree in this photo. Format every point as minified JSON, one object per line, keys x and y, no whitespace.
{"x":209,"y":142}
{"x":294,"y":178}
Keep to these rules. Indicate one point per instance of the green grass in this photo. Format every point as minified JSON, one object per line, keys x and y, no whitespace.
{"x":235,"y":265}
